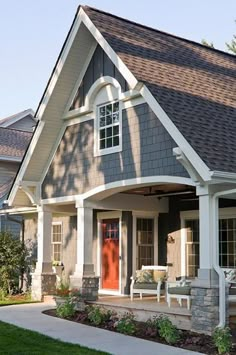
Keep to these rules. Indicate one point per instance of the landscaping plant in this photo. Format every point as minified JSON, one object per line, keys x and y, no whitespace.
{"x":223,"y":340}
{"x":98,"y":315}
{"x":167,"y":330}
{"x":13,"y":261}
{"x":66,"y":310}
{"x":63,"y":289}
{"x":126,"y":324}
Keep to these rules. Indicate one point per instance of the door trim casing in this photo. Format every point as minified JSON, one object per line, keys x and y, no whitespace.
{"x":100,"y":217}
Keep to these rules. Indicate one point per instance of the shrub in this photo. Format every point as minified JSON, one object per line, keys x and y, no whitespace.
{"x":98,"y":315}
{"x":3,"y":294}
{"x":66,"y":310}
{"x":223,"y":340}
{"x":126,"y":324}
{"x":167,"y":330}
{"x":151,"y":327}
{"x":13,"y":261}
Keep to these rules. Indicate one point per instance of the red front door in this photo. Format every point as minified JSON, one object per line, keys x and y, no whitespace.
{"x":110,"y":254}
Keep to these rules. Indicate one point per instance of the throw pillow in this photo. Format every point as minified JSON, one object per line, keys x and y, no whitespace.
{"x":144,"y":276}
{"x":159,"y":275}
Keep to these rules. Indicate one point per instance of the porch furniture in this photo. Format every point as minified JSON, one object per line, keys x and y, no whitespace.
{"x":180,"y":290}
{"x":148,"y":280}
{"x":230,"y":278}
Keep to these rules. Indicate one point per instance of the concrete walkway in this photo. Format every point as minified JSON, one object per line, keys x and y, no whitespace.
{"x":30,"y":317}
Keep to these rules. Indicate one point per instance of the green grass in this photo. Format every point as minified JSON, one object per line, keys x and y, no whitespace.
{"x":11,"y":301}
{"x":18,"y":341}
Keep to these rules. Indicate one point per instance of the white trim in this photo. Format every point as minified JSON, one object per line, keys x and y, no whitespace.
{"x":18,"y":210}
{"x":9,"y":158}
{"x":100,"y":217}
{"x":154,"y":217}
{"x":130,"y":78}
{"x":120,"y":185}
{"x":226,"y":212}
{"x":57,"y":223}
{"x":115,"y":149}
{"x":79,"y":80}
{"x":190,"y":153}
{"x":223,"y":175}
{"x":26,"y":160}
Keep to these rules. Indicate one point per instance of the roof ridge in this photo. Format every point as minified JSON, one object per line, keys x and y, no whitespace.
{"x":159,"y":31}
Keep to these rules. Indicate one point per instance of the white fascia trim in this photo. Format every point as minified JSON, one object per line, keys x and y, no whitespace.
{"x":18,"y":210}
{"x":119,"y":184}
{"x":223,"y":175}
{"x":190,"y":153}
{"x":59,"y":67}
{"x":138,"y":181}
{"x":26,"y":160}
{"x":10,"y":159}
{"x":17,"y":118}
{"x":67,"y":113}
{"x":130,"y":78}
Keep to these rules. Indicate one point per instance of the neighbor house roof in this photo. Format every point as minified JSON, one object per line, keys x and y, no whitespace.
{"x":194,"y":84}
{"x":8,"y":121}
{"x":13,"y":143}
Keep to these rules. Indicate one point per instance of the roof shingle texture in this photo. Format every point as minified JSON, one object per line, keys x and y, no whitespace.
{"x":13,"y":143}
{"x":195,"y":85}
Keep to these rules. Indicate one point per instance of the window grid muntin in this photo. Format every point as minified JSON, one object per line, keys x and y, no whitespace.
{"x":57,"y":241}
{"x":109,"y":125}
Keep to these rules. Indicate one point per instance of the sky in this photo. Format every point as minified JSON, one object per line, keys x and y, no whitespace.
{"x":32,"y":34}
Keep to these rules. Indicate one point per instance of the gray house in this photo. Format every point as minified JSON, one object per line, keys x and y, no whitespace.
{"x":15,"y":134}
{"x":133,"y":162}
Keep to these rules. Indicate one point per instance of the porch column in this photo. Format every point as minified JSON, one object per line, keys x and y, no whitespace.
{"x":84,"y":276}
{"x":205,"y":288}
{"x":43,"y":279}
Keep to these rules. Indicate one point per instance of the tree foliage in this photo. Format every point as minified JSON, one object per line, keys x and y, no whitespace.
{"x":13,"y":261}
{"x":230,"y":46}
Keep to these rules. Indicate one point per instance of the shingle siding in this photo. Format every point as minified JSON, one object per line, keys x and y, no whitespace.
{"x":99,"y":66}
{"x":147,"y":151}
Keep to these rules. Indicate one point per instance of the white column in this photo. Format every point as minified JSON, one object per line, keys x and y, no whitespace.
{"x":84,"y":263}
{"x":44,"y":240}
{"x":207,"y":220}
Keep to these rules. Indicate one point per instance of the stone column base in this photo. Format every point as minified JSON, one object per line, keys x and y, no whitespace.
{"x":88,"y":285}
{"x":43,"y":284}
{"x":205,"y":309}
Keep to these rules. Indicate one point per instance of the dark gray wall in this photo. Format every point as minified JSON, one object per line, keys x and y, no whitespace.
{"x":100,"y":65}
{"x":127,"y":239}
{"x":147,"y":151}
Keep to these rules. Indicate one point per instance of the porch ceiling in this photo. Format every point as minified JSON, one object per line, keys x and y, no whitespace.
{"x":163,"y":189}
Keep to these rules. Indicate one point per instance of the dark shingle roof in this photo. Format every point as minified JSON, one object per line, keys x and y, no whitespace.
{"x":195,"y":85}
{"x":13,"y":143}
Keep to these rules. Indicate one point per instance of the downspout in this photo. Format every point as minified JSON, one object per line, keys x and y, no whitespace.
{"x":216,"y":266}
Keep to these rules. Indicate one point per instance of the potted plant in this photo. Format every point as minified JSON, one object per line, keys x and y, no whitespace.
{"x":57,"y":267}
{"x":62,"y":293}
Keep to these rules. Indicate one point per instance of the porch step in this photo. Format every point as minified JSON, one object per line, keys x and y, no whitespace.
{"x":49,"y":299}
{"x":145,"y":309}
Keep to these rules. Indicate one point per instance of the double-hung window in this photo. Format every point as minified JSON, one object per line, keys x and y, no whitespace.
{"x":108,"y":128}
{"x":57,"y":241}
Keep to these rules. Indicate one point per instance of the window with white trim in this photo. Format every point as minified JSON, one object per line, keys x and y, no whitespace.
{"x":144,"y":242}
{"x":57,"y":241}
{"x":227,"y":244}
{"x":109,"y":128}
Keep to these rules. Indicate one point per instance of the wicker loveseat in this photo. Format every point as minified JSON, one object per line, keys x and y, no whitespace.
{"x":148,"y":280}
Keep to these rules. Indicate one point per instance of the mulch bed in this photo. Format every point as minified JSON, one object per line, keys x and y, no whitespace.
{"x":189,"y":340}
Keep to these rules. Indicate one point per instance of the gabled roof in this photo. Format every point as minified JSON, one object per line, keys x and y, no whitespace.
{"x":13,"y":143}
{"x":8,"y":121}
{"x":194,"y":84}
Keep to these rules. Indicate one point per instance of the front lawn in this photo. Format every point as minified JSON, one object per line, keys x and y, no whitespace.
{"x":16,"y":299}
{"x":14,"y":340}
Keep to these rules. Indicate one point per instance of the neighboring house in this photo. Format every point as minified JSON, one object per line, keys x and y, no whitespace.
{"x":133,"y":154}
{"x":15,"y":134}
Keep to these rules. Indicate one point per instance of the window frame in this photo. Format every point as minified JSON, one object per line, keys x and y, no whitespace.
{"x":114,"y":149}
{"x":57,"y":243}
